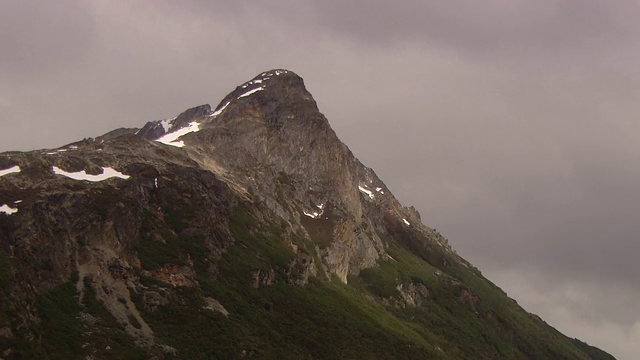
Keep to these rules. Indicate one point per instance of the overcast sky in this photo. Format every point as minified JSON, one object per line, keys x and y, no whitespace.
{"x":511,"y":125}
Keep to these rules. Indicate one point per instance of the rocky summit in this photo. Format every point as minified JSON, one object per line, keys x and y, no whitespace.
{"x":248,"y":230}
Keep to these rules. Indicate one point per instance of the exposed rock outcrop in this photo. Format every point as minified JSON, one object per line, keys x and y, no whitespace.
{"x":218,"y":233}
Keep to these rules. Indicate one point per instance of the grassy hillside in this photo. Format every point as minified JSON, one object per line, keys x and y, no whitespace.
{"x":464,"y":316}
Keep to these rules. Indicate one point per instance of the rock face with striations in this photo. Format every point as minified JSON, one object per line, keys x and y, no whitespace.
{"x":245,"y":231}
{"x":269,"y":139}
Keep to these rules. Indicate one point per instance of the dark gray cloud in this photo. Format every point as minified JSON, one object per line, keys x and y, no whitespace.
{"x":478,"y":26}
{"x":39,"y":40}
{"x":510,"y":125}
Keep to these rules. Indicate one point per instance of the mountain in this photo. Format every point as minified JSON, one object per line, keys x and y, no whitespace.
{"x":244,"y":231}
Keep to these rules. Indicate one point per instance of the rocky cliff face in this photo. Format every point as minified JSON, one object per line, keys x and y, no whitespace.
{"x":249,"y":230}
{"x":268,"y":140}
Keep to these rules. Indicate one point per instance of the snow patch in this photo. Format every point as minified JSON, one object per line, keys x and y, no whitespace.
{"x":171,"y":138}
{"x":70,"y":148}
{"x":406,"y":222}
{"x":57,"y":151}
{"x":107,"y":173}
{"x":315,"y":214}
{"x":6,"y":209}
{"x":219,"y":111}
{"x":265,"y":77}
{"x":366,"y":191}
{"x":155,"y":183}
{"x":166,"y":124}
{"x":251,"y":92}
{"x":11,"y":170}
{"x":311,"y":215}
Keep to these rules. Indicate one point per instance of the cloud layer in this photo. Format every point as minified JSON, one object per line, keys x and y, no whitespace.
{"x":510,"y":125}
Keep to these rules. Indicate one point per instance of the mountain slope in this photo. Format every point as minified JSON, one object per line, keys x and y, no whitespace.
{"x":246,"y":231}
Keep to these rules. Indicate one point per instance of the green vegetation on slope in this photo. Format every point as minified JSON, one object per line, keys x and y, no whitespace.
{"x":106,"y":332}
{"x":62,"y":334}
{"x":58,"y":335}
{"x":323,"y":320}
{"x":473,"y":316}
{"x":463,"y":315}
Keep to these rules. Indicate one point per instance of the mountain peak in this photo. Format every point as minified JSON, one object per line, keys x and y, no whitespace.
{"x":156,"y":129}
{"x":269,"y":96}
{"x":278,"y":75}
{"x":186,"y":253}
{"x":269,"y":86}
